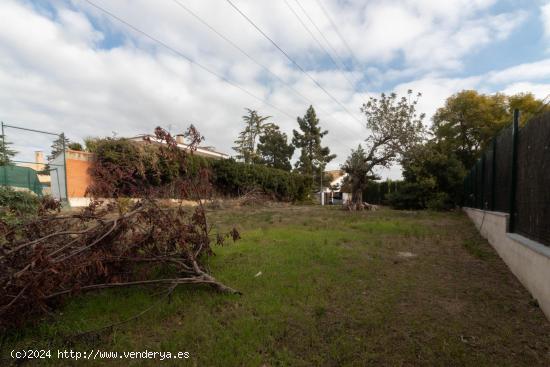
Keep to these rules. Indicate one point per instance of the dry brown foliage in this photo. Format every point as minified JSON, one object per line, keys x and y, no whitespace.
{"x":107,"y":245}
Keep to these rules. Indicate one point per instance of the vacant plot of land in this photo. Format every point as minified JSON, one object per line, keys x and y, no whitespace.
{"x":324,"y":287}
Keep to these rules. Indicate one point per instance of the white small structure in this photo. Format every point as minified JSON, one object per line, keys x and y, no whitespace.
{"x":207,"y":152}
{"x":333,"y":194}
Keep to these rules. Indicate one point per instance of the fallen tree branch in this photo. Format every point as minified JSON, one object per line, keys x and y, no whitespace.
{"x":120,"y":244}
{"x":200,"y":279}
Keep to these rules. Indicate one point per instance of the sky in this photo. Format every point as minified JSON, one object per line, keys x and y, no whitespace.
{"x":66,"y":66}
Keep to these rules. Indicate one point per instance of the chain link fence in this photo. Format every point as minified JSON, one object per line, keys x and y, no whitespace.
{"x":38,"y":177}
{"x":513,"y":176}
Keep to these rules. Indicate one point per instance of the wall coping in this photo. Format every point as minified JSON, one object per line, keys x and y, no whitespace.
{"x":529,"y":243}
{"x":498,"y":214}
{"x":535,"y":246}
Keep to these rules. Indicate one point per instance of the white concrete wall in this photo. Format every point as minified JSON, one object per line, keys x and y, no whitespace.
{"x":528,"y":260}
{"x":79,"y":202}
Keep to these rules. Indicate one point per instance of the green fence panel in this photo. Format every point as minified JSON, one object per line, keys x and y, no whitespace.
{"x":20,"y":177}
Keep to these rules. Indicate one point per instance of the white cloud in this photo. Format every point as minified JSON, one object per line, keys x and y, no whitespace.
{"x":446,"y":48}
{"x":428,"y":34}
{"x":450,"y":10}
{"x":389,"y":28}
{"x":77,"y":28}
{"x":435,"y":90}
{"x":545,"y":18}
{"x":540,"y":90}
{"x":59,"y":78}
{"x":528,"y":71}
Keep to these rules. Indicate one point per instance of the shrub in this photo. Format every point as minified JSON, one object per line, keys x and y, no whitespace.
{"x":123,"y":167}
{"x":15,"y":205}
{"x":120,"y":166}
{"x":235,"y":178}
{"x":377,"y":191}
{"x":440,"y":201}
{"x":416,"y":195}
{"x":432,"y":163}
{"x":410,"y":195}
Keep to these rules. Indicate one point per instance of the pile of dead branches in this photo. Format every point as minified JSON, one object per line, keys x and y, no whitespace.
{"x":254,"y":197}
{"x":107,"y":245}
{"x":350,"y":205}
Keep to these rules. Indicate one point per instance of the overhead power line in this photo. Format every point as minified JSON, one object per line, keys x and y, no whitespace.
{"x":318,"y":42}
{"x":337,"y":31}
{"x":234,"y":45}
{"x":341,"y":62}
{"x":237,"y":47}
{"x":190,"y":60}
{"x":292,"y":60}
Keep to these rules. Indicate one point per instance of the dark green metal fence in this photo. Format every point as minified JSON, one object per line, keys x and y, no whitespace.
{"x":20,"y":178}
{"x":513,"y":176}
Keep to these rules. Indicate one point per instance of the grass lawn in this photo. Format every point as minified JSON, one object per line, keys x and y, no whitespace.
{"x":335,"y":289}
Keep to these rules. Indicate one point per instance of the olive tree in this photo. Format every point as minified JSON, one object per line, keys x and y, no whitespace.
{"x":358,"y":174}
{"x":394,"y":127}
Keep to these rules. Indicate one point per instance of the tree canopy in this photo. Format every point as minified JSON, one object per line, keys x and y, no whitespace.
{"x":245,"y":145}
{"x":461,"y":129}
{"x":274,"y":149}
{"x":394,"y":127}
{"x":434,"y":170}
{"x":75,"y":146}
{"x":57,"y":146}
{"x":358,"y":173}
{"x":6,"y":153}
{"x":313,"y":156}
{"x":469,"y":120}
{"x":528,"y":104}
{"x":90,"y":143}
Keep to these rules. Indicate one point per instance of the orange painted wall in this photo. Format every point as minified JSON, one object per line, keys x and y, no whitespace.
{"x":78,"y":178}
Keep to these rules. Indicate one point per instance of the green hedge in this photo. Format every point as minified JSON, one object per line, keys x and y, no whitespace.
{"x":125,"y":165}
{"x":234,"y":178}
{"x":410,"y":195}
{"x":377,"y":191}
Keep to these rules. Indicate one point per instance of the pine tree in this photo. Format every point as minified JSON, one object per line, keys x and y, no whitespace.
{"x":313,"y":156}
{"x":246,"y":142}
{"x":57,"y":146}
{"x":274,"y":150}
{"x":6,"y":153}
